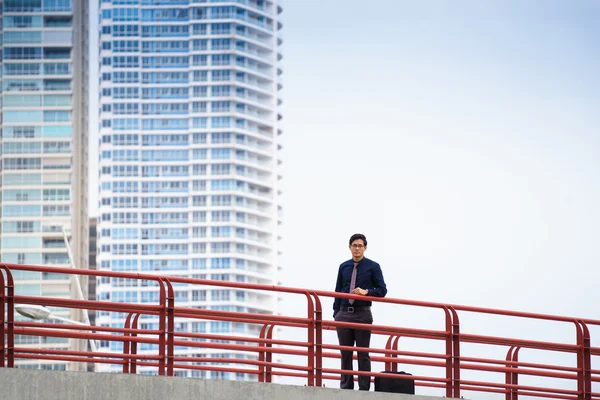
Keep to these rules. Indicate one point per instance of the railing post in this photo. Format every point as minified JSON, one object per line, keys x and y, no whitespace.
{"x":311,"y":340}
{"x":394,"y":364}
{"x":261,"y":354}
{"x":170,"y":336}
{"x":586,"y":360}
{"x":2,"y":307}
{"x":512,"y":377}
{"x":580,"y":361}
{"x":134,"y":345}
{"x":449,"y":352}
{"x":130,"y":347}
{"x":455,"y":352}
{"x":7,"y":299}
{"x":508,"y":375}
{"x":126,"y":344}
{"x":318,"y":341}
{"x":388,"y":346}
{"x":391,"y":344}
{"x":269,"y":356}
{"x":162,"y":327}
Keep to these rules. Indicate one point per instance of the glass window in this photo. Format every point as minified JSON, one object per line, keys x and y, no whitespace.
{"x":57,"y":68}
{"x":61,"y":131}
{"x":22,"y":116}
{"x":22,"y":179}
{"x":56,"y":21}
{"x":57,"y":100}
{"x":20,"y":132}
{"x":57,"y":116}
{"x":23,"y":37}
{"x":22,"y":21}
{"x":22,"y":69}
{"x":22,"y":101}
{"x":57,"y":84}
{"x":57,"y":52}
{"x":125,"y":30}
{"x":22,"y":85}
{"x":58,"y":37}
{"x":21,"y":211}
{"x":22,"y":53}
{"x":22,"y":195}
{"x":57,"y":5}
{"x":125,"y":14}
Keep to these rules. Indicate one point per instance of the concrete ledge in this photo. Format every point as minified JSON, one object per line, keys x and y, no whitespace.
{"x":22,"y":384}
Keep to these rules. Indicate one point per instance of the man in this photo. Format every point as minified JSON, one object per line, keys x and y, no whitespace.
{"x":363,"y":277}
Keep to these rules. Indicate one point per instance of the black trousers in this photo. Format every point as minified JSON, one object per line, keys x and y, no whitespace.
{"x":362,"y":338}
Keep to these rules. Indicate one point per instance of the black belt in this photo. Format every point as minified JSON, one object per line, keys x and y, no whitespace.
{"x":351,"y":309}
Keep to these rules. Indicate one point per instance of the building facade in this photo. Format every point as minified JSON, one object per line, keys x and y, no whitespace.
{"x":44,"y":137}
{"x":188,"y":155}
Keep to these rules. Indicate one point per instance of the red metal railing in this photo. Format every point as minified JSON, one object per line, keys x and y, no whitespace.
{"x":447,"y":367}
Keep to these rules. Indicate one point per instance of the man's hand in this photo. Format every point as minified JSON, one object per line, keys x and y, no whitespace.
{"x":360,"y":291}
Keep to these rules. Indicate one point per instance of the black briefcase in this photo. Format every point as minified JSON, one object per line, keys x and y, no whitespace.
{"x":395,"y":385}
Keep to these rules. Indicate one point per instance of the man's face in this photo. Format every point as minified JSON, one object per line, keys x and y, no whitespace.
{"x":357,"y":248}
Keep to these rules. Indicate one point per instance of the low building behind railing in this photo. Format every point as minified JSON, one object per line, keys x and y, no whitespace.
{"x":446,"y":359}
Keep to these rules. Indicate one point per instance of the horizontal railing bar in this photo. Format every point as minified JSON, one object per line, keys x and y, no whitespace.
{"x":423,"y":333}
{"x":86,"y":327}
{"x":90,"y":354}
{"x":239,"y":361}
{"x":240,"y":339}
{"x":69,"y":359}
{"x":95,"y":305}
{"x":247,"y":317}
{"x":389,"y":351}
{"x":518,"y":364}
{"x":531,"y":344}
{"x":80,"y":335}
{"x":521,"y":371}
{"x":239,"y":347}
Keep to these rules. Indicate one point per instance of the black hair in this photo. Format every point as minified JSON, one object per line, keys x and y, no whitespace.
{"x":357,"y":236}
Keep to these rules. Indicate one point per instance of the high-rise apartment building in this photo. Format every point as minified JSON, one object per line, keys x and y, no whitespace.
{"x":188,"y":163}
{"x":43,"y":184}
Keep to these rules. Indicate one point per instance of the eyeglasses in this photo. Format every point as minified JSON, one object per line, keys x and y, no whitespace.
{"x":357,"y":246}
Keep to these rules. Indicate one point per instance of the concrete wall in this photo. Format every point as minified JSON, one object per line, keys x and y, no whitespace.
{"x":21,"y":384}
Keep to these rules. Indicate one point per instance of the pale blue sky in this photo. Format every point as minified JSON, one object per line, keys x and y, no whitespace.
{"x":462,"y":137}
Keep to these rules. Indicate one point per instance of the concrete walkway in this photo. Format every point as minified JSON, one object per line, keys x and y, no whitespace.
{"x":22,"y":384}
